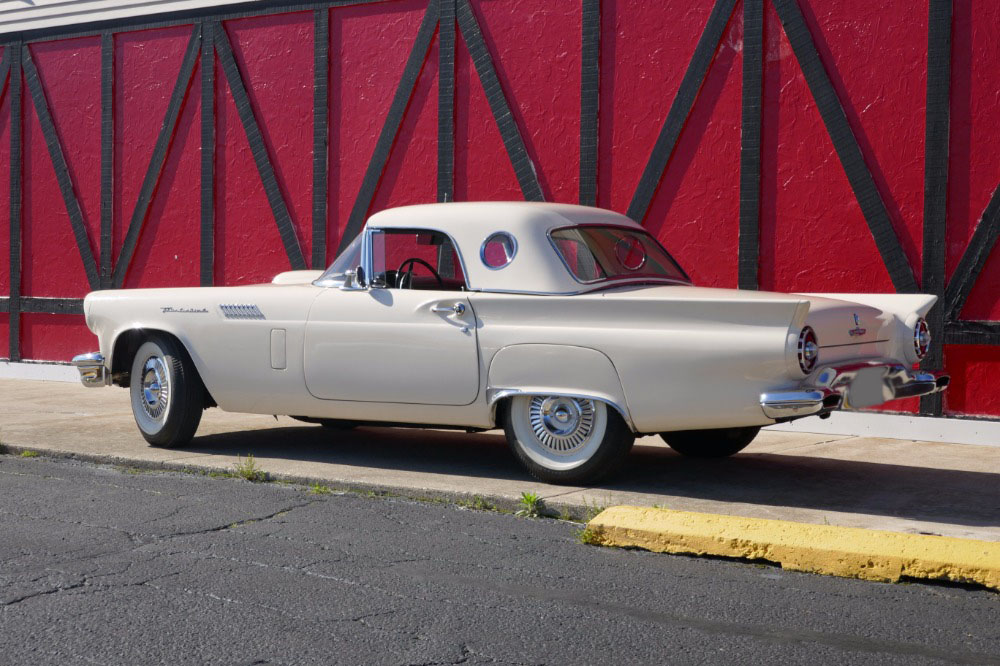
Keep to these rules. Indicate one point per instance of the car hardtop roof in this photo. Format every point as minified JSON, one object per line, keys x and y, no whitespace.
{"x":512,"y":216}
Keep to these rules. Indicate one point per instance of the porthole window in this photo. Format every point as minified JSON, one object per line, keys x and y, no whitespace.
{"x":498,"y":250}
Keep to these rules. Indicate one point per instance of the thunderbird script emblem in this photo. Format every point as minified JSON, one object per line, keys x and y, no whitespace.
{"x":857,"y":330}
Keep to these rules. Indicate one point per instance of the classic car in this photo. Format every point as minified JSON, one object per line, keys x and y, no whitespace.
{"x":569,"y":327}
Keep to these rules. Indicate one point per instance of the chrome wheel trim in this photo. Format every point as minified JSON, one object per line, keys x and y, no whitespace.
{"x":155,"y":388}
{"x":561,"y":424}
{"x":541,"y":451}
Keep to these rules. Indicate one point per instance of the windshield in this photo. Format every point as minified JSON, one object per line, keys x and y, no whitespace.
{"x":596,"y":253}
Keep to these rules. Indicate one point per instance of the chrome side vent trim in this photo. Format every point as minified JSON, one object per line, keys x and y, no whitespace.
{"x":241,"y":311}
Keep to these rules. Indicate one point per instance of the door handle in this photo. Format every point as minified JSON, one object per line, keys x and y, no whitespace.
{"x":457,"y":308}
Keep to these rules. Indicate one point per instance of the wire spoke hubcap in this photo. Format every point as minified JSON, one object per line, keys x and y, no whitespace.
{"x":561,"y":424}
{"x":155,"y":387}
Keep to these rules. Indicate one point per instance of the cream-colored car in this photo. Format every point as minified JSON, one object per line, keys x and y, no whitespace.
{"x":569,"y":327}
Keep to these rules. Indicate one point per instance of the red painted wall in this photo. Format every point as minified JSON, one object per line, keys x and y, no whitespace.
{"x":813,"y":234}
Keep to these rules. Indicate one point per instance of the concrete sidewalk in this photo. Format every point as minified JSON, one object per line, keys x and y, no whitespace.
{"x":896,"y":485}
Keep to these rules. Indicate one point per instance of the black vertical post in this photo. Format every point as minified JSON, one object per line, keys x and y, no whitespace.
{"x":753,"y":47}
{"x":446,"y":102}
{"x":936,"y":147}
{"x":207,"y":254}
{"x":14,"y":342}
{"x":590,"y":88}
{"x":321,"y":129}
{"x":107,"y":154}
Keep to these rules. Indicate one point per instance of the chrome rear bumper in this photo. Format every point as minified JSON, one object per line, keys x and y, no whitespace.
{"x":853,"y":386}
{"x":93,"y":372}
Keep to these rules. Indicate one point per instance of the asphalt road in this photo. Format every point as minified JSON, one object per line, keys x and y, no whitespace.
{"x":104,"y":566}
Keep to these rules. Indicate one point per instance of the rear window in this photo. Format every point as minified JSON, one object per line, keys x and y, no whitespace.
{"x":596,"y":253}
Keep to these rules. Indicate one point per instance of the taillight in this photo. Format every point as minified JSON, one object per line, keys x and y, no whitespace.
{"x":808,"y":349}
{"x":921,"y":338}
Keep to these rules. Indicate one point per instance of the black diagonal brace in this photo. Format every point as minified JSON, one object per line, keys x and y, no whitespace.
{"x":259,"y":149}
{"x":157,"y":160}
{"x":846,"y":145}
{"x":380,"y":156}
{"x":687,"y":93}
{"x":60,"y":166}
{"x":321,"y":130}
{"x":509,"y":131}
{"x":974,"y":258}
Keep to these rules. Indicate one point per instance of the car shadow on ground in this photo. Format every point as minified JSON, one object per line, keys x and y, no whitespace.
{"x":916,"y":493}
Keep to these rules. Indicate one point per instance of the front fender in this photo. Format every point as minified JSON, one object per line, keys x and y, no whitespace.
{"x":545,"y":369}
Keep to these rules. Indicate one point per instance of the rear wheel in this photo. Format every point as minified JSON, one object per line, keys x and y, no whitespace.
{"x":714,"y":443}
{"x":560,"y":439}
{"x":167,"y":394}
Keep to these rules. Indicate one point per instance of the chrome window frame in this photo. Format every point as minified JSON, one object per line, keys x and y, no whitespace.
{"x":607,"y":280}
{"x":367,"y":252}
{"x":510,"y":257}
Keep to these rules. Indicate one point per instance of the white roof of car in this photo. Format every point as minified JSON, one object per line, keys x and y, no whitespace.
{"x":536,"y":267}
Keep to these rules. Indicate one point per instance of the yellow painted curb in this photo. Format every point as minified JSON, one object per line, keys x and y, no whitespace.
{"x":837,"y":551}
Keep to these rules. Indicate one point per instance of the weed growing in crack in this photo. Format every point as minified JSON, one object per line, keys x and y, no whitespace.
{"x":248,"y":470}
{"x":587,"y":536}
{"x":319,"y":489}
{"x":592,"y":510}
{"x":477,"y":503}
{"x":28,"y":453}
{"x":531,"y":505}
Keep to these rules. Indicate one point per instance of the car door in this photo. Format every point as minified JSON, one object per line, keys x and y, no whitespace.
{"x":416,"y":344}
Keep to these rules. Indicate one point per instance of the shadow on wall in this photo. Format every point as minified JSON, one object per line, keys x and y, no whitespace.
{"x":947,"y":496}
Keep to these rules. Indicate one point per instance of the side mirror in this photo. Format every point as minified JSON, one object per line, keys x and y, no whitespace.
{"x":354,"y":280}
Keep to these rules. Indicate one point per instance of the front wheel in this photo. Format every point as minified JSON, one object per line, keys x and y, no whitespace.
{"x":560,"y":439}
{"x":714,"y":443}
{"x":167,"y":394}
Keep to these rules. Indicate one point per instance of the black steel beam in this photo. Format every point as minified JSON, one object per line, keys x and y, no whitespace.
{"x":590,"y":96}
{"x":286,"y":230}
{"x":58,"y":158}
{"x":748,"y":261}
{"x":446,"y":102}
{"x":509,"y":131}
{"x":936,"y":147}
{"x":157,"y":160}
{"x":16,"y":166}
{"x":107,"y":155}
{"x":383,"y":146}
{"x":321,"y":130}
{"x":846,"y":145}
{"x":207,"y":229}
{"x":687,"y":93}
{"x":972,"y":333}
{"x":40,"y":305}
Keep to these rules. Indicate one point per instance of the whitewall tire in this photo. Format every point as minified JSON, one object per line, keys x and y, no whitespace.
{"x":166,"y":391}
{"x":562,"y":439}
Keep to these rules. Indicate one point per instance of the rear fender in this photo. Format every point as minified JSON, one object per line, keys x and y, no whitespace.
{"x":542,"y":369}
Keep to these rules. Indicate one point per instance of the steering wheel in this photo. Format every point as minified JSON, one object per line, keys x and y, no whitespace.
{"x":407,"y":276}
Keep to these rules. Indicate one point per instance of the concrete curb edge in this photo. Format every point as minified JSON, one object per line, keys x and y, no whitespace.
{"x":848,"y":552}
